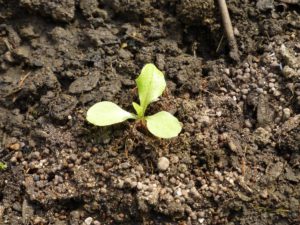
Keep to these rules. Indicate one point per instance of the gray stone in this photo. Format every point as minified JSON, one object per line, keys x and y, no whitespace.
{"x":163,"y":163}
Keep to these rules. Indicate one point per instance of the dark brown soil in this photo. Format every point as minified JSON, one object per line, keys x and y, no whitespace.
{"x":237,"y":160}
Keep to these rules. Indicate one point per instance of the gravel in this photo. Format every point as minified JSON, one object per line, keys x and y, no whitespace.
{"x":163,"y":163}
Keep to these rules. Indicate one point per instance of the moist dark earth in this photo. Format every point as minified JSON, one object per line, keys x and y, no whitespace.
{"x":237,"y":159}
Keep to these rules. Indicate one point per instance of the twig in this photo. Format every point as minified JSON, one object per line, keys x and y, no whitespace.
{"x":8,"y":45}
{"x":220,"y":42}
{"x":21,"y":82}
{"x":19,"y":87}
{"x":234,"y":54}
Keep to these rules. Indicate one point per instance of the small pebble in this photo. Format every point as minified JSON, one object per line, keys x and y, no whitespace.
{"x":86,"y":155}
{"x":201,"y":220}
{"x":219,"y":113}
{"x":15,"y":146}
{"x":172,"y":180}
{"x":139,"y":186}
{"x":193,"y":216}
{"x":227,"y":71}
{"x":163,"y":164}
{"x":286,"y":113}
{"x":13,"y":159}
{"x":264,"y":194}
{"x":96,"y":222}
{"x":103,"y":190}
{"x":35,"y":155}
{"x":277,"y":93}
{"x":88,"y":221}
{"x":248,"y":123}
{"x":245,"y":91}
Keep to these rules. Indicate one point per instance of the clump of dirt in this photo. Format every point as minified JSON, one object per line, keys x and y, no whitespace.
{"x":290,"y":135}
{"x":59,"y":10}
{"x":193,"y":12}
{"x":236,"y":160}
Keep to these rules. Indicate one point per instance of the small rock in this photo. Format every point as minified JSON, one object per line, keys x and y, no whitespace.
{"x":103,"y":190}
{"x":264,"y":5}
{"x":201,"y":220}
{"x":290,"y":175}
{"x":75,"y":215}
{"x":38,"y":220}
{"x":276,"y":93}
{"x":264,"y":194}
{"x":35,"y":155}
{"x":88,"y":221}
{"x":286,"y":113}
{"x":120,"y":184}
{"x":15,"y":147}
{"x":178,"y":192}
{"x":248,"y":123}
{"x":227,"y":71}
{"x":13,"y":159}
{"x":8,"y":57}
{"x":17,"y":206}
{"x":264,"y":111}
{"x":195,"y":193}
{"x":86,"y":155}
{"x":163,"y":164}
{"x":22,"y":52}
{"x":193,"y":216}
{"x":273,"y":171}
{"x":139,"y":186}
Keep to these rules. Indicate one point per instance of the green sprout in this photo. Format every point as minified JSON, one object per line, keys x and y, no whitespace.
{"x":151,"y":85}
{"x":3,"y":166}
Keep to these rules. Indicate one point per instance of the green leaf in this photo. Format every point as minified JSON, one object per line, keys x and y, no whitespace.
{"x":163,"y":125}
{"x":107,"y":113}
{"x":151,"y":84}
{"x":138,"y":109}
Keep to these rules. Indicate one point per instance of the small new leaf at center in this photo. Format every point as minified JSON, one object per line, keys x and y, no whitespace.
{"x":151,"y":84}
{"x":138,"y":109}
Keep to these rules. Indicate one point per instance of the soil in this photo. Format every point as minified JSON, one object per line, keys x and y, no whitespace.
{"x":237,"y":159}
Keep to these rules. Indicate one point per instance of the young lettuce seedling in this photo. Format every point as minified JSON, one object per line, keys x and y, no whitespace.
{"x":151,"y":84}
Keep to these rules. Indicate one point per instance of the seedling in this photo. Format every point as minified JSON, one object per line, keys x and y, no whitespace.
{"x":3,"y":166}
{"x":151,"y":84}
